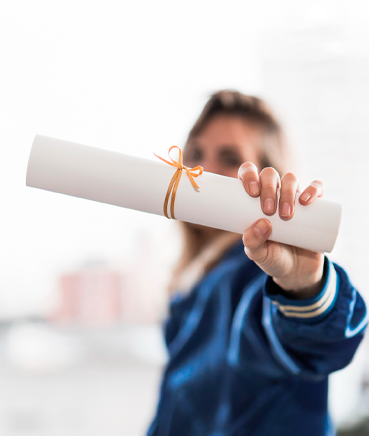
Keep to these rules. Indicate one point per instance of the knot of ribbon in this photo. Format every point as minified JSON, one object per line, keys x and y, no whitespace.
{"x":173,"y":185}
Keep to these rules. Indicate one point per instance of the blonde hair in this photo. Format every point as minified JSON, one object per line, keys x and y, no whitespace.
{"x":198,"y":254}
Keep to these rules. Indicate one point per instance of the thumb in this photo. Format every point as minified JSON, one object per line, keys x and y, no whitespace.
{"x":254,"y":240}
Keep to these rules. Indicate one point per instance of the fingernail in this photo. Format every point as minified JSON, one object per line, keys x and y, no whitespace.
{"x":285,"y":209}
{"x":268,"y":205}
{"x":261,"y":228}
{"x":305,"y":196}
{"x":254,"y":188}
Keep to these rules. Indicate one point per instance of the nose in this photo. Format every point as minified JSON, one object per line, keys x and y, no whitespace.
{"x":216,"y":168}
{"x":210,"y":168}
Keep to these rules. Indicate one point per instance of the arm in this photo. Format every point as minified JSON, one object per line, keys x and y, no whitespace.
{"x":313,"y":318}
{"x":319,"y":334}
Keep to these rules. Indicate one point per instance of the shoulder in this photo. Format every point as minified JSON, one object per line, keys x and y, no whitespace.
{"x":220,"y":290}
{"x":233,"y":274}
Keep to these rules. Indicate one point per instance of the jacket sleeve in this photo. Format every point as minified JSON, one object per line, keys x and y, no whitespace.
{"x":302,"y":338}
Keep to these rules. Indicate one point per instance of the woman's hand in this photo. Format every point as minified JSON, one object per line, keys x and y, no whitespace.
{"x":294,"y":269}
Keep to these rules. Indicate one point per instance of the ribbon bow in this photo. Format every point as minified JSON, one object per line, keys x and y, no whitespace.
{"x":176,"y":178}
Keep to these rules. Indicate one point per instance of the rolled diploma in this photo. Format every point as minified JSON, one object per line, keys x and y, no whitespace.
{"x":141,"y":184}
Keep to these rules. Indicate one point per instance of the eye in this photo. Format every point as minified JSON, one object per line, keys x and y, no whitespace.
{"x":232,"y":160}
{"x":194,"y":155}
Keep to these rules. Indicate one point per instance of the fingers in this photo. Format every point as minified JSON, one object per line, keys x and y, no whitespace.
{"x":248,"y":173}
{"x":266,"y":184}
{"x":311,"y":193}
{"x":254,"y":240}
{"x":269,"y":181}
{"x":289,"y":187}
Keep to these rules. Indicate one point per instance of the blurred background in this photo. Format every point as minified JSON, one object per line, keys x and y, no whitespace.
{"x":82,"y":284}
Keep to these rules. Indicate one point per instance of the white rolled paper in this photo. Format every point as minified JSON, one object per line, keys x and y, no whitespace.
{"x":141,"y":184}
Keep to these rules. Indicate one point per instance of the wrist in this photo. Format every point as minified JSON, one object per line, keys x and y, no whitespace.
{"x":306,"y":309}
{"x":301,"y":287}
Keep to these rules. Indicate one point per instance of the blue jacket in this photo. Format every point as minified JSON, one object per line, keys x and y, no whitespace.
{"x":245,"y":360}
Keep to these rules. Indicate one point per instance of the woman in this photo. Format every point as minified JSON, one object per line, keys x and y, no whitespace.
{"x":255,"y":326}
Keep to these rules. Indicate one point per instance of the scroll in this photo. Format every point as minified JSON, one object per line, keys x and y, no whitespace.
{"x":142,"y":184}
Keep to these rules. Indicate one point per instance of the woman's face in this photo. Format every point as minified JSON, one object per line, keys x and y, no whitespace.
{"x":223,"y":145}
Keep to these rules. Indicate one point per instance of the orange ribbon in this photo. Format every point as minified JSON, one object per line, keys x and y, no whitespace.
{"x":176,"y":178}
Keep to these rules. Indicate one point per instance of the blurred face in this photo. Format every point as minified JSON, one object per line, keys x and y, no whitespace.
{"x":222,"y":146}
